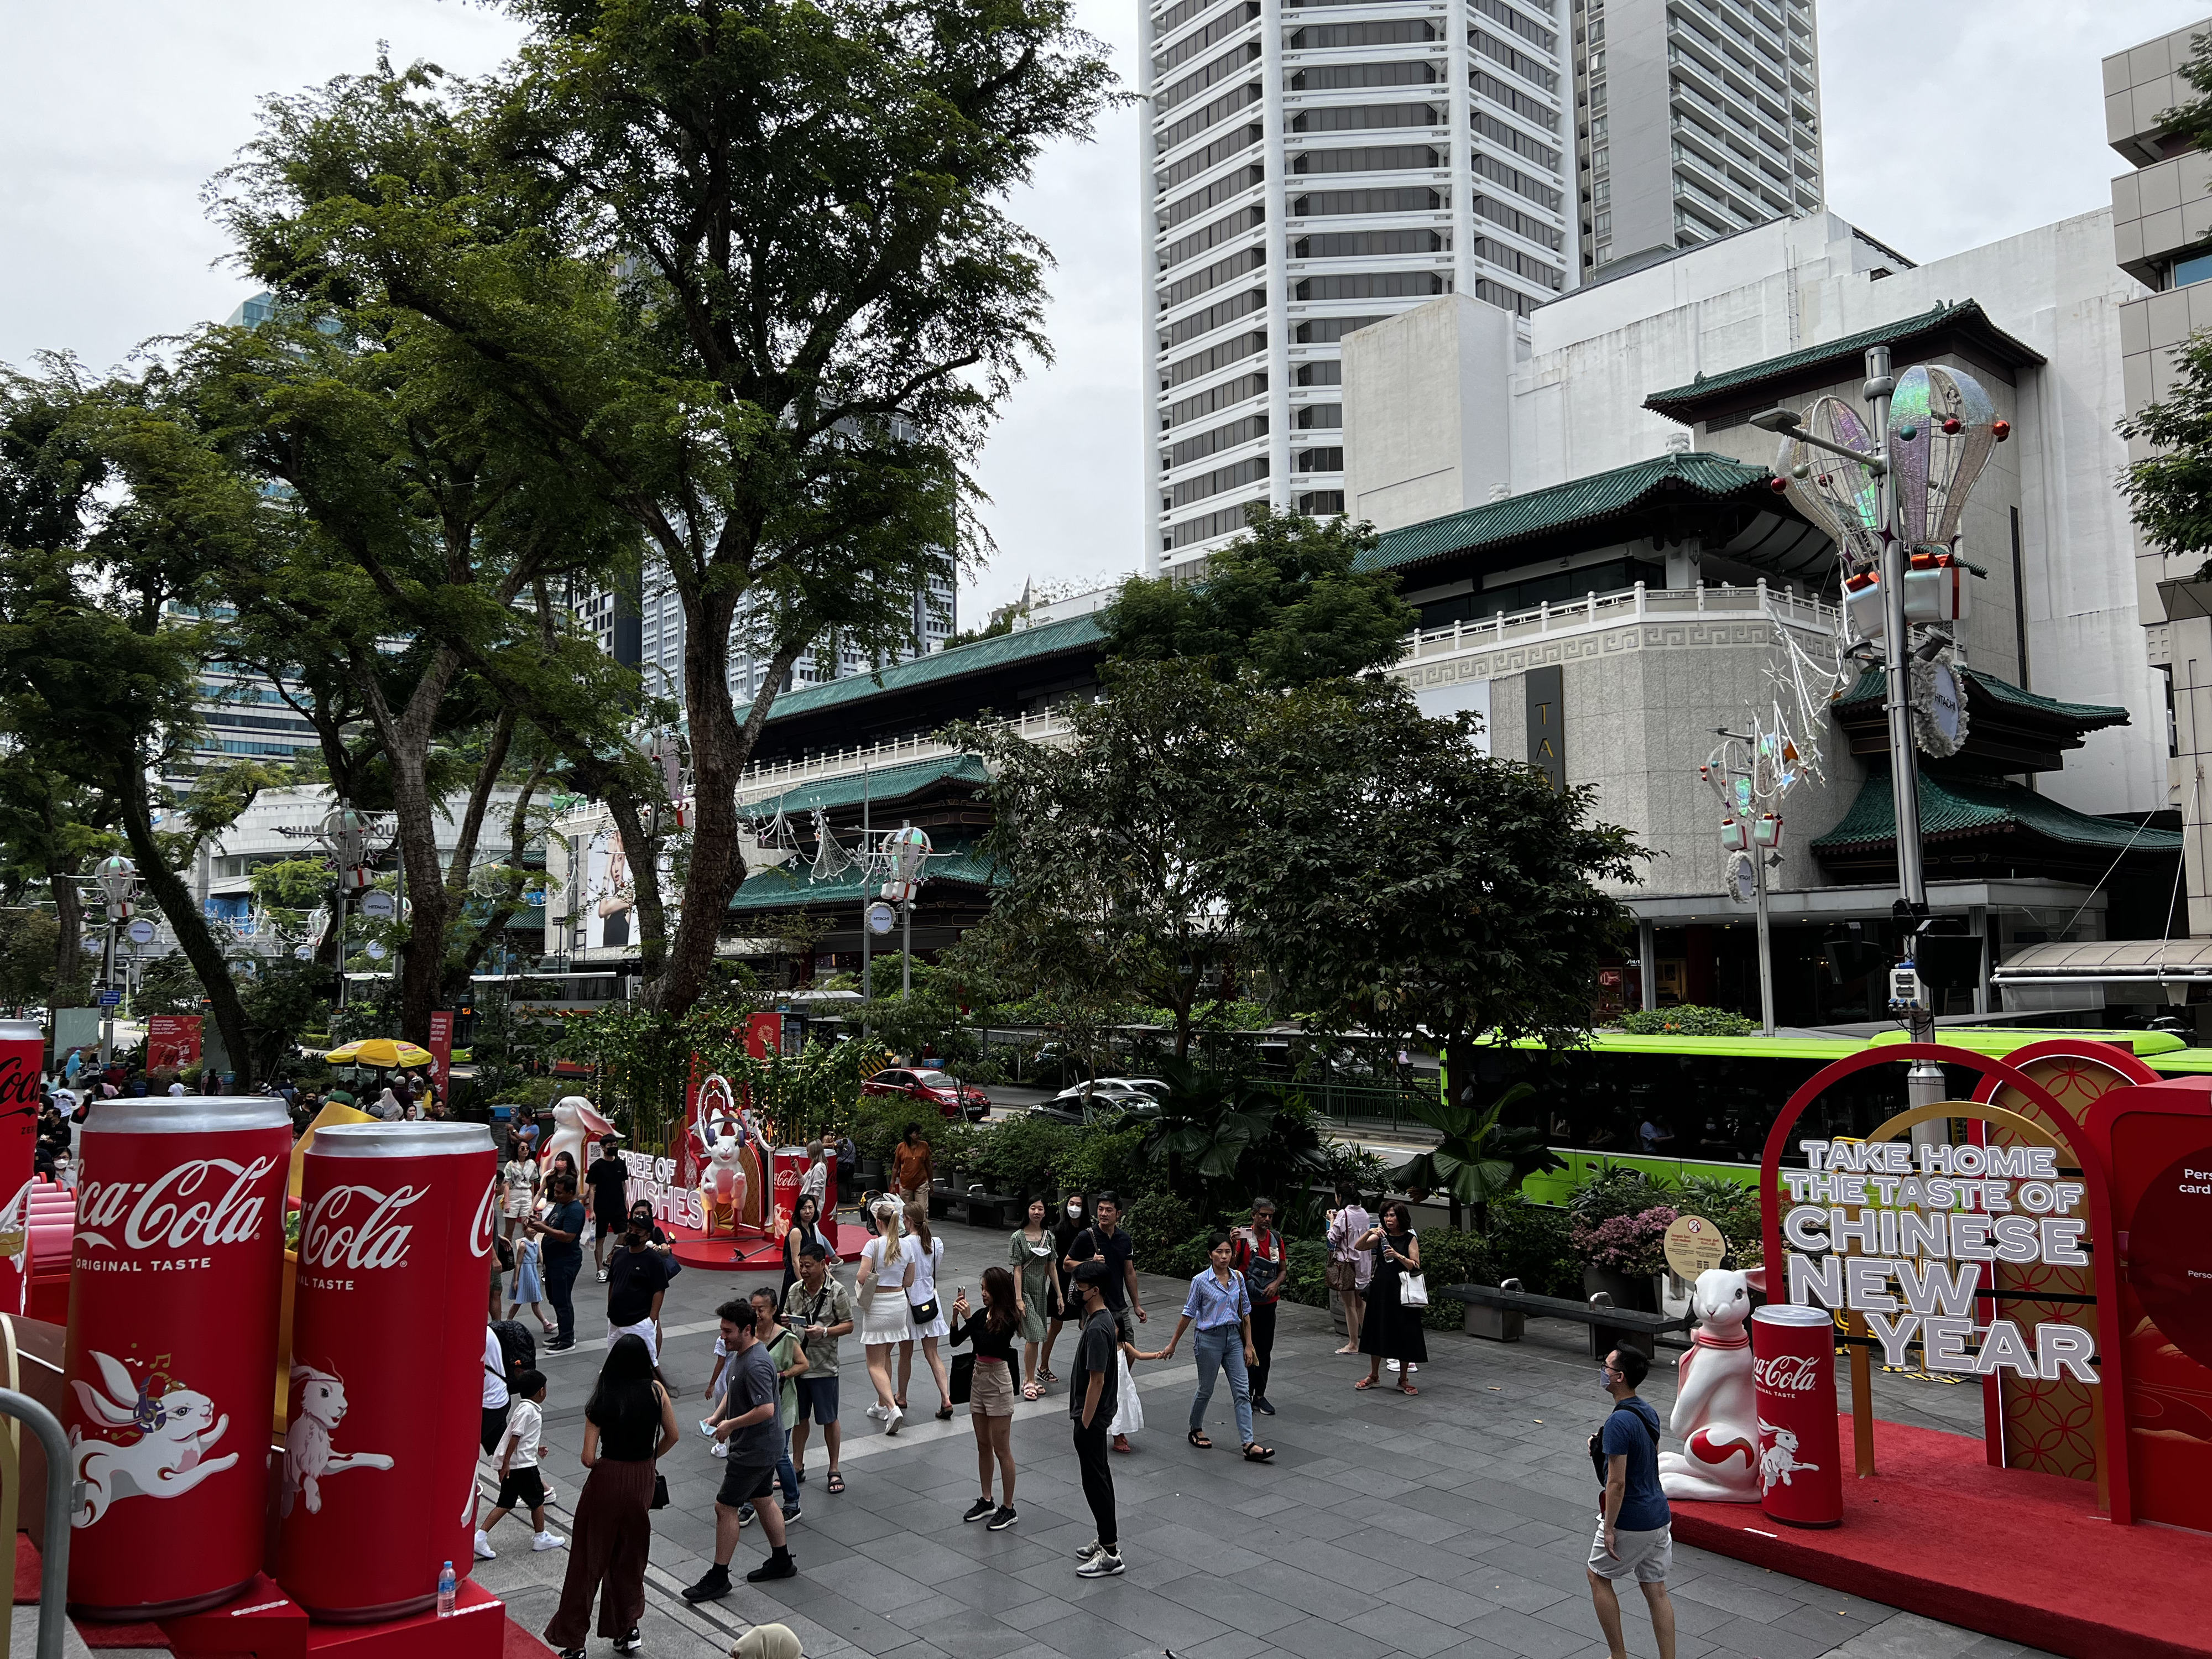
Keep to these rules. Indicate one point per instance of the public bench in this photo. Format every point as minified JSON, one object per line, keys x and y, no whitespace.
{"x":1500,"y":1312}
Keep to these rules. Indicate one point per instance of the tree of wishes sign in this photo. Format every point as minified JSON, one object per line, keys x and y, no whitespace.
{"x":1900,"y":1234}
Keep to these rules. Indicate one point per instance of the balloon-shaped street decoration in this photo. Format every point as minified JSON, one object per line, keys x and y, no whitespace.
{"x":1835,"y":493}
{"x":906,"y":851}
{"x":1941,"y":429}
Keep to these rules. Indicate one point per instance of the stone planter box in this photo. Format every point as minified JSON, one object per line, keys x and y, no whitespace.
{"x":1497,"y":1324}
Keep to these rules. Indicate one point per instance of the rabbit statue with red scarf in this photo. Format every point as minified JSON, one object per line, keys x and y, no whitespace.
{"x":1716,"y":1416}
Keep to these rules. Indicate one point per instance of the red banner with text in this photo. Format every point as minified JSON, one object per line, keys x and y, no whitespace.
{"x":172,"y":1041}
{"x":442,"y":1053}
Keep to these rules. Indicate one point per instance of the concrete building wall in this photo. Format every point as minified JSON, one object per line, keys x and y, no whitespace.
{"x":1425,"y":433}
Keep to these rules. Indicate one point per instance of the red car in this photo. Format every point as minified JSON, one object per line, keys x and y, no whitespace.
{"x":951,"y":1098}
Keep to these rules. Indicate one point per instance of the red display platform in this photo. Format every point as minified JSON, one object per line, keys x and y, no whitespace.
{"x":750,"y":1251}
{"x":267,"y":1624}
{"x":2011,"y":1553}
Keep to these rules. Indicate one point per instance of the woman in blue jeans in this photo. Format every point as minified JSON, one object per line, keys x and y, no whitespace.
{"x":1221,"y":1305}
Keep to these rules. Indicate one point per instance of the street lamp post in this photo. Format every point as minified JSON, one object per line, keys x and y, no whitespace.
{"x":1908,"y":521}
{"x":118,"y":880}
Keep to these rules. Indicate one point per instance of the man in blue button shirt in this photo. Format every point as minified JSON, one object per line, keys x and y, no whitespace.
{"x":1635,"y":1527}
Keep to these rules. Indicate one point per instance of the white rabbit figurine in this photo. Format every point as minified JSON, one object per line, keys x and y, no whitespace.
{"x":575,"y":1121}
{"x":722,"y":1188}
{"x":1713,"y":1409}
{"x":174,"y":1429}
{"x":308,"y":1456}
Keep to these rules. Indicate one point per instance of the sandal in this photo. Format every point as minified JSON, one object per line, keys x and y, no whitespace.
{"x":1407,"y":1388}
{"x":1257,"y":1453}
{"x":798,"y":1472}
{"x":1048,"y":1377}
{"x":1200,"y":1441}
{"x":836,"y":1480}
{"x":1029,"y":1391}
{"x":944,"y":1413}
{"x":1364,"y":1382}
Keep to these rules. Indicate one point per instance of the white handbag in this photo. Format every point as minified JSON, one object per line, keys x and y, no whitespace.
{"x":1412,"y":1291}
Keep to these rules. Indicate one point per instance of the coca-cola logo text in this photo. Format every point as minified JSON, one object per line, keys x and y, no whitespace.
{"x":1787,"y":1373}
{"x":480,"y":1229}
{"x":355,"y":1227}
{"x":18,"y":1080}
{"x":179,"y":1208}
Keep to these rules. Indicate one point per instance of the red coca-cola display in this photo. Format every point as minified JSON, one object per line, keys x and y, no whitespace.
{"x":787,"y":1165}
{"x":1793,"y":1375}
{"x":174,"y":1279}
{"x":378,"y":1486}
{"x":22,"y":1062}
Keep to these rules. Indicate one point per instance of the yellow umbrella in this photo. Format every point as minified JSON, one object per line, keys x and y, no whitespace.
{"x":383,"y":1053}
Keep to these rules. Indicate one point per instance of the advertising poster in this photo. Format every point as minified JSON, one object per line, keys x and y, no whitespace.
{"x":441,"y":1052}
{"x":172,"y":1041}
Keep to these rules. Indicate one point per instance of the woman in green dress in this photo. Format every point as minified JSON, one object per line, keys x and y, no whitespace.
{"x":1035,"y":1258}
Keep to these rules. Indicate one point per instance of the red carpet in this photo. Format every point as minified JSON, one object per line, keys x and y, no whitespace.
{"x":750,"y":1251}
{"x":2021,"y":1556}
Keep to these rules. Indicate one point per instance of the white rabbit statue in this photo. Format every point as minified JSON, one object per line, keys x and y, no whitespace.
{"x":308,"y":1456}
{"x":722,"y":1187}
{"x":1714,"y":1410}
{"x":575,"y":1121}
{"x":174,"y":1429}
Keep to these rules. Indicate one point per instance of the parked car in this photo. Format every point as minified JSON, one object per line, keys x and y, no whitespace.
{"x":1116,"y":1098}
{"x":951,"y":1098}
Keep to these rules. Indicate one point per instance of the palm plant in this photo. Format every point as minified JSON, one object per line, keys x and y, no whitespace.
{"x":1479,"y":1159}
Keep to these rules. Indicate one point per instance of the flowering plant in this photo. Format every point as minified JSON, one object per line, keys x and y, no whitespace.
{"x":1633,"y":1244}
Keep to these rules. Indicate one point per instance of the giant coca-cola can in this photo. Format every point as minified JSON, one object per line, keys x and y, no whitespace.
{"x":378,"y":1487}
{"x":22,"y":1063}
{"x":175,"y":1270}
{"x":1793,"y":1373}
{"x":786,"y":1166}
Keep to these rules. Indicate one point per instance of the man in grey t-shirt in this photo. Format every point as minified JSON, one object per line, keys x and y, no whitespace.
{"x":750,"y":1426}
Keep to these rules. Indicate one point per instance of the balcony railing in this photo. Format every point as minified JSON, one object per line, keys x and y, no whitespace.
{"x":1626,"y":604}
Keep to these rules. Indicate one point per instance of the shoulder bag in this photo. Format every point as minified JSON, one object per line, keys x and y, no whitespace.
{"x":925,"y":1311}
{"x":1413,"y":1288}
{"x":1597,"y":1441}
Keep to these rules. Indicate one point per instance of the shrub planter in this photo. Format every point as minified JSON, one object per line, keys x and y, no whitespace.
{"x":1626,"y":1290}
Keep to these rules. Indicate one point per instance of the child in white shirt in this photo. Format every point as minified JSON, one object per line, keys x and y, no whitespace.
{"x":522,"y":1450}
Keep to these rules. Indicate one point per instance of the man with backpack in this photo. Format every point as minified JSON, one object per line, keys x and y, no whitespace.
{"x":1635,"y":1529}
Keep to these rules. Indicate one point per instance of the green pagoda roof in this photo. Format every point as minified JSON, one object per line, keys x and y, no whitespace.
{"x":978,"y":656}
{"x":1955,"y":808}
{"x":786,"y":887}
{"x":1686,"y":404}
{"x":1591,"y":500}
{"x":1872,"y":689}
{"x":885,"y":786}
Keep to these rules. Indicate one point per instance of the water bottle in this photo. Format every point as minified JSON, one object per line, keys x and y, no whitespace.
{"x":446,"y":1590}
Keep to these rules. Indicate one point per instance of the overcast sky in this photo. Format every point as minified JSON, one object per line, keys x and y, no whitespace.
{"x":1947,"y":125}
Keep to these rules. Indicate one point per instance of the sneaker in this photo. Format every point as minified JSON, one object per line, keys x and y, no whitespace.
{"x":547,"y":1541}
{"x":1086,"y":1552}
{"x":877,"y":1412}
{"x":712,"y":1588}
{"x":891,"y":1423}
{"x":746,"y":1517}
{"x":1390,"y":1364}
{"x":791,"y":1512}
{"x":629,"y":1641}
{"x":1261,"y":1405}
{"x":1107,"y":1564}
{"x":776,"y":1566}
{"x":1004,"y":1518}
{"x":979,"y":1509}
{"x":721,"y":1448}
{"x":603,"y":1275}
{"x":485,"y":1551}
{"x":558,"y":1346}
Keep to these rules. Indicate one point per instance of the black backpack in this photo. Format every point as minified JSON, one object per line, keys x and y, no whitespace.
{"x":516,"y":1346}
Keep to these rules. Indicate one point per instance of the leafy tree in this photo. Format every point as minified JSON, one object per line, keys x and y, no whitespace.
{"x":1283,"y":601}
{"x":1479,"y":1159}
{"x":2192,"y":121}
{"x":1407,"y":885}
{"x":1110,"y":847}
{"x":740,"y":267}
{"x":2171,"y":488}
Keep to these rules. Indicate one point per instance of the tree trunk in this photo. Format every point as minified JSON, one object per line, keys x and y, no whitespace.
{"x":642,"y":852}
{"x":186,"y":918}
{"x":406,"y":739}
{"x":503,"y":909}
{"x":69,"y":911}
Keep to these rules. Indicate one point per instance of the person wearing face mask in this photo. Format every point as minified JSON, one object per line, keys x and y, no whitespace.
{"x":637,"y":1279}
{"x":1073,"y":1224}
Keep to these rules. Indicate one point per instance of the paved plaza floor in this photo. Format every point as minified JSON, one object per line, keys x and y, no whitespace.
{"x":1452,"y":1525}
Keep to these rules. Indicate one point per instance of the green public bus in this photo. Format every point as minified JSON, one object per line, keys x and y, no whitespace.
{"x":1703,"y":1105}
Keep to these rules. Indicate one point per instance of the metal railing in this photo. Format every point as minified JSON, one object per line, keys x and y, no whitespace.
{"x":1385,"y":1104}
{"x":53,"y":1559}
{"x":774,"y":776}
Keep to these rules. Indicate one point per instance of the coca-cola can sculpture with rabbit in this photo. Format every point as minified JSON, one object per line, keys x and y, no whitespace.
{"x":378,"y":1486}
{"x":1792,"y":1378}
{"x":22,"y":1062}
{"x":175,"y":1276}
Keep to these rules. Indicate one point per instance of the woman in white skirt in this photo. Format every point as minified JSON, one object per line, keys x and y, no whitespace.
{"x":886,"y":1269}
{"x":922,"y":1309}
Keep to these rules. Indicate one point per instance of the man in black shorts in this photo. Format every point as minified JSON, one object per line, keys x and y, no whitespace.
{"x":751,"y":1428}
{"x":609,"y":1180}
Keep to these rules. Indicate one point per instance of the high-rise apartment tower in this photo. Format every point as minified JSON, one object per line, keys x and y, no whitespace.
{"x":1309,"y":166}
